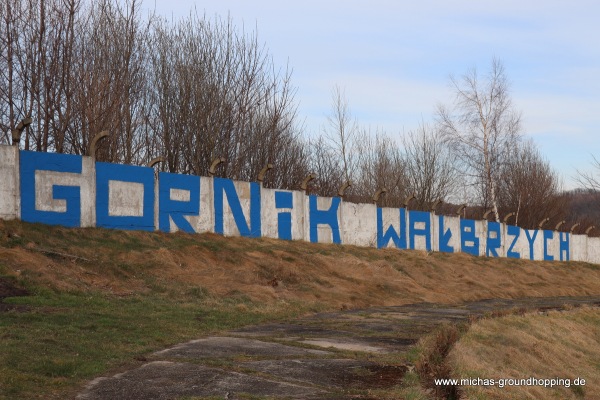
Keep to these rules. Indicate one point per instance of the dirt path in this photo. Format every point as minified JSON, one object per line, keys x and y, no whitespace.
{"x":324,"y":356}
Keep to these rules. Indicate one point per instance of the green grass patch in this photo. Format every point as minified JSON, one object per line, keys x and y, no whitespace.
{"x":63,"y":339}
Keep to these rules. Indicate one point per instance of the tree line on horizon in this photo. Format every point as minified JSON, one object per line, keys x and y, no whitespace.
{"x":199,"y":88}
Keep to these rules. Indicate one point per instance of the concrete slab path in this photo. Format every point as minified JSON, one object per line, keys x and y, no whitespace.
{"x":323,"y":356}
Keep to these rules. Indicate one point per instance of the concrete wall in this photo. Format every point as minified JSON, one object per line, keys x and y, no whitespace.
{"x":324,"y":215}
{"x":10,"y":199}
{"x":283,"y":214}
{"x":593,"y":250}
{"x":448,"y":234}
{"x":358,"y":225}
{"x":76,"y":191}
{"x":579,"y":242}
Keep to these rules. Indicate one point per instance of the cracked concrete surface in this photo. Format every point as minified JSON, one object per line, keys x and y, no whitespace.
{"x":324,"y":356}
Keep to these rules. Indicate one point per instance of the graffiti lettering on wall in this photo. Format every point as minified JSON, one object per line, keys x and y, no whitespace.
{"x":76,"y":191}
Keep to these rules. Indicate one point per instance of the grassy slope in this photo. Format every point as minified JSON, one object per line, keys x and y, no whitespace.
{"x":553,"y":345}
{"x":102,"y":299}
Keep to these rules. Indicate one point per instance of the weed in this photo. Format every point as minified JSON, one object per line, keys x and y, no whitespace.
{"x":432,"y":361}
{"x":197,"y":292}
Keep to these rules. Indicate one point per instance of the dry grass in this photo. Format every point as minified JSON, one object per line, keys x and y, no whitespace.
{"x":203,"y":283}
{"x":267,"y":270}
{"x":556,"y":344}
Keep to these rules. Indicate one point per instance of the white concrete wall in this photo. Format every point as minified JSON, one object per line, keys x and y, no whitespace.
{"x":481,"y":233}
{"x":230,"y":227}
{"x":521,"y":246}
{"x":579,"y":247}
{"x":493,"y":235}
{"x":270,"y":213}
{"x":435,"y":232}
{"x":539,"y":246}
{"x":87,"y":181}
{"x":593,"y":250}
{"x":471,"y":237}
{"x":357,"y":223}
{"x":10,"y":199}
{"x":554,"y":246}
{"x":196,"y":222}
{"x":205,"y":222}
{"x":301,"y":226}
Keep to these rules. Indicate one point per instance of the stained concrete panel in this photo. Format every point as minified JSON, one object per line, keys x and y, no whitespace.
{"x":579,"y":245}
{"x":359,"y":224}
{"x":9,"y":183}
{"x":222,"y":347}
{"x":163,"y":380}
{"x":392,"y":222}
{"x":593,"y":250}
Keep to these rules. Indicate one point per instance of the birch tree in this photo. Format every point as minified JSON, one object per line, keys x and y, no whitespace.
{"x":481,"y":127}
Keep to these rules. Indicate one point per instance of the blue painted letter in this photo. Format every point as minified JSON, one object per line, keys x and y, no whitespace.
{"x":531,"y":240}
{"x":493,"y":242}
{"x":33,"y":161}
{"x":419,"y":217}
{"x":548,"y":235}
{"x":176,"y":210}
{"x":325,"y":217}
{"x":384,"y":238}
{"x":105,"y":173}
{"x":564,"y":246}
{"x":226,"y":186}
{"x":515,"y":231}
{"x":444,"y":236}
{"x":284,"y":218}
{"x":467,"y":234}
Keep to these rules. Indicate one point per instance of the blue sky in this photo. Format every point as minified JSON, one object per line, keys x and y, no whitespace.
{"x":394,"y":59}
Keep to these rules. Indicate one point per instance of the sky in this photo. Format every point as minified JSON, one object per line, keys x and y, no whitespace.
{"x":393,"y":59}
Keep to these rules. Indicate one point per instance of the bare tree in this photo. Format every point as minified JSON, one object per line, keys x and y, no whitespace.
{"x":10,"y":30}
{"x":482,"y":127}
{"x":77,"y":69}
{"x":588,"y":179}
{"x":217,"y":94}
{"x":530,"y":188}
{"x":379,"y":164}
{"x":341,"y":132}
{"x":37,"y":38}
{"x":190,"y":90}
{"x":110,"y":82}
{"x":431,"y":169}
{"x":323,"y":162}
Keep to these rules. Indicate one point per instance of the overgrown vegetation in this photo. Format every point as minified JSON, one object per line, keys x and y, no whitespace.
{"x":103,"y":300}
{"x":432,"y":364}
